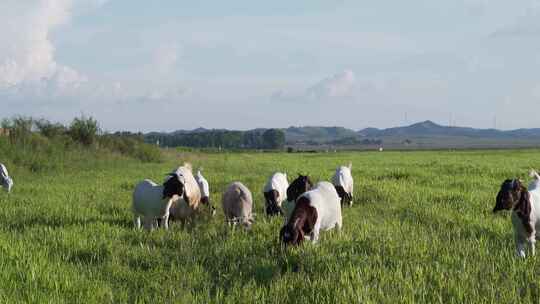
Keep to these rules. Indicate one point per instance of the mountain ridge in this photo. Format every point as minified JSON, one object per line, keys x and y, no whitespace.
{"x":429,"y":128}
{"x":417,"y":135}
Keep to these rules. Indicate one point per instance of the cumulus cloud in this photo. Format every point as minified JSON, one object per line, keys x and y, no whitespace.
{"x":339,"y":86}
{"x":30,"y":73}
{"x":27,"y":55}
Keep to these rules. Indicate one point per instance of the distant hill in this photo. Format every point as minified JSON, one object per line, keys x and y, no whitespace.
{"x":422,"y":135}
{"x":428,"y":128}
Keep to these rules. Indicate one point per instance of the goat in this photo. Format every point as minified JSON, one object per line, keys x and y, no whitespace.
{"x":275,"y":191}
{"x":315,"y":210}
{"x":185,"y":207}
{"x":525,"y":206}
{"x":152,"y":201}
{"x":5,"y":180}
{"x":298,"y":187}
{"x":237,"y":203}
{"x":344,"y":183}
{"x":205,"y":191}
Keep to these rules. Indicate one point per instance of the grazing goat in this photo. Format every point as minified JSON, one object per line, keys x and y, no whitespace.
{"x":315,"y":210}
{"x":343,"y":181}
{"x":298,"y":187}
{"x":525,"y":206}
{"x":185,"y":207}
{"x":205,"y":191}
{"x":238,"y":204}
{"x":5,"y":180}
{"x":152,"y":201}
{"x":275,"y":192}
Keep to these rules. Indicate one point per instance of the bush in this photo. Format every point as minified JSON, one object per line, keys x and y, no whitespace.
{"x":20,"y":129}
{"x":49,"y":129}
{"x":40,"y":145}
{"x":131,"y":145}
{"x":84,"y":130}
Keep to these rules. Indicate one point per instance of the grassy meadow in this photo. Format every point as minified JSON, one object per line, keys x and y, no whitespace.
{"x":421,"y":231}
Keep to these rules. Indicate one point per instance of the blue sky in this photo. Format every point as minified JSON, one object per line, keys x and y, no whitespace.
{"x":162,"y":65}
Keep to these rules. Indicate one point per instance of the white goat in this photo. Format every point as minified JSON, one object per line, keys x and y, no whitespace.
{"x":275,"y":192}
{"x":185,"y":207}
{"x":152,"y":201}
{"x":525,"y":206}
{"x":203,"y":184}
{"x":205,"y":191}
{"x":316,"y":210}
{"x":237,"y":203}
{"x":344,"y":183}
{"x":5,"y":180}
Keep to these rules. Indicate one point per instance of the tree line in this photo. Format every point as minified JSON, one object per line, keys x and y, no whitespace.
{"x":253,"y":139}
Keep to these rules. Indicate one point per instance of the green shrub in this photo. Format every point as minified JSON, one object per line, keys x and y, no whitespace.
{"x":84,"y":130}
{"x":50,"y":129}
{"x":131,"y":145}
{"x":41,"y":145}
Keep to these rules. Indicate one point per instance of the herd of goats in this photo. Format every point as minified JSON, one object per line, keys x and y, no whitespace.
{"x":307,"y":208}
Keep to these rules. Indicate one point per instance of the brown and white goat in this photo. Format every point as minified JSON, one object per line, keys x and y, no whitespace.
{"x":316,"y":210}
{"x":525,"y":206}
{"x":298,"y":187}
{"x":185,"y":207}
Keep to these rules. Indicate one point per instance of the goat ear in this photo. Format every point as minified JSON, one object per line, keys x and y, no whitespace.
{"x":350,"y":165}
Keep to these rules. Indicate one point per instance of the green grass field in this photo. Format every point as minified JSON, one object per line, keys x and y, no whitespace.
{"x":421,"y":231}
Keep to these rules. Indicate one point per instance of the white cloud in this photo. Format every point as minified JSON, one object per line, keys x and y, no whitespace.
{"x":30,"y":73}
{"x":338,"y":86}
{"x":27,"y":55}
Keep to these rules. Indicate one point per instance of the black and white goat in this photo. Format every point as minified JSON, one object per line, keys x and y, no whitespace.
{"x":344,"y":183}
{"x":275,"y":192}
{"x":152,"y":201}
